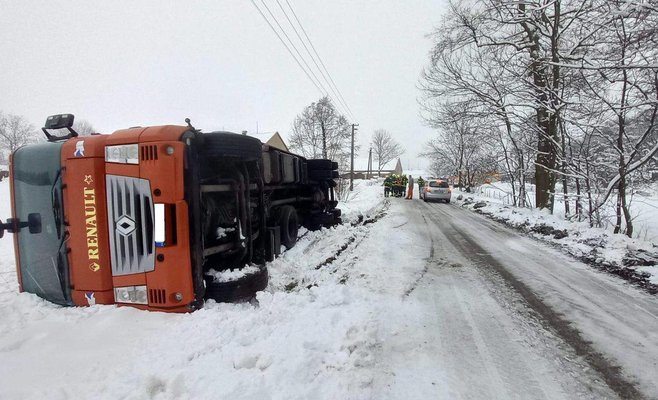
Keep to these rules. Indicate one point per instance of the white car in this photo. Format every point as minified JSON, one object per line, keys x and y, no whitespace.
{"x":437,"y":189}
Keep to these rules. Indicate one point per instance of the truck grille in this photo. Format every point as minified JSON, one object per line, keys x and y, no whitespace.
{"x":157,"y":296}
{"x":149,"y":153}
{"x":130,"y":220}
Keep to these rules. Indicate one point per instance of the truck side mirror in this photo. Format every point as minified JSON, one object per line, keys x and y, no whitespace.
{"x":34,"y":222}
{"x":14,"y":224}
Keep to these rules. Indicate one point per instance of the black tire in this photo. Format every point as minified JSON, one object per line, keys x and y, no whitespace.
{"x":425,"y":199}
{"x":241,"y":289}
{"x":232,"y":145}
{"x":320,"y":164}
{"x":321,"y":175}
{"x":289,"y":226}
{"x":337,"y":213}
{"x":323,"y":219}
{"x":448,"y":201}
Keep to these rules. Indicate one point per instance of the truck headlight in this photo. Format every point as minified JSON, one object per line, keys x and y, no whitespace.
{"x":131,"y":295}
{"x":159,"y":225}
{"x":124,"y":154}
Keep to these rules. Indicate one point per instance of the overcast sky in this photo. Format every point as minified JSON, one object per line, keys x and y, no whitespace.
{"x":125,"y":63}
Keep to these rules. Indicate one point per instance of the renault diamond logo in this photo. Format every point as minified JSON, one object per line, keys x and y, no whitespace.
{"x":125,"y":226}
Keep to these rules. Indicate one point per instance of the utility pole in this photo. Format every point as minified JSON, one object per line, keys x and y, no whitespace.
{"x":369,"y":163}
{"x":352,"y":159}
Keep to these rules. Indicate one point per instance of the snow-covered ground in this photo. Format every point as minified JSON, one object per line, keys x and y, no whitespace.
{"x":314,"y":333}
{"x":643,"y":206}
{"x":634,"y":259}
{"x":384,"y":306}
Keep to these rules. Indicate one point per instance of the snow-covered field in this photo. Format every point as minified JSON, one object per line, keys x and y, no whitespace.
{"x":635,"y":258}
{"x":314,"y":334}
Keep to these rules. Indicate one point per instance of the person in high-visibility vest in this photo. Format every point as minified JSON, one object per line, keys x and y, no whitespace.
{"x":421,"y":185}
{"x":388,"y":182}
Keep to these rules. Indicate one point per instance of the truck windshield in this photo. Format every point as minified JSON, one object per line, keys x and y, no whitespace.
{"x":38,"y":189}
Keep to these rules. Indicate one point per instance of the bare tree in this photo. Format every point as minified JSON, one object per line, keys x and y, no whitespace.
{"x":622,"y":78}
{"x":385,"y":148}
{"x":567,"y":88}
{"x":15,"y":132}
{"x":479,"y":82}
{"x":320,"y":131}
{"x":463,"y":147}
{"x":83,"y":127}
{"x":536,"y":38}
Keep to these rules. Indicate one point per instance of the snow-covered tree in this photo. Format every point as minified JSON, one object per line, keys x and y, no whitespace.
{"x":15,"y":131}
{"x":320,"y":131}
{"x":83,"y":127}
{"x":385,"y":148}
{"x":566,"y":88}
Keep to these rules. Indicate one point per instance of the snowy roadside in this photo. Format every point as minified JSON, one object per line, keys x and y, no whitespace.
{"x":316,"y":331}
{"x":366,"y":200}
{"x":632,"y":259}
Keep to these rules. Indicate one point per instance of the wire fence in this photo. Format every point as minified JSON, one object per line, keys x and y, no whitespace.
{"x":506,"y":197}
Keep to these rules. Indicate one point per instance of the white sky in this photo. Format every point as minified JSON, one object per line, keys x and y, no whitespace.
{"x":125,"y":63}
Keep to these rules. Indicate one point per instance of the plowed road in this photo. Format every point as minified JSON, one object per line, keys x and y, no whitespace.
{"x":506,"y":316}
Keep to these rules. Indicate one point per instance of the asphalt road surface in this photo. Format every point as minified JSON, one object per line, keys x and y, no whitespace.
{"x":506,"y":316}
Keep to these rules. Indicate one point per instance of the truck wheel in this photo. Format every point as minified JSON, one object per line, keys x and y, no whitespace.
{"x":240,"y":289}
{"x":325,"y":219}
{"x":289,"y":227}
{"x":226,"y":144}
{"x":320,"y":163}
{"x":337,"y":213}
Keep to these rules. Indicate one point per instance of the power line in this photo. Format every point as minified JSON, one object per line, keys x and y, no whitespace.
{"x":344,"y":105}
{"x":314,"y":79}
{"x":319,"y":58}
{"x":294,"y":47}
{"x":287,"y":48}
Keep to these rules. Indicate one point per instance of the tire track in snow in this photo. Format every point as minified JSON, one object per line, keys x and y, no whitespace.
{"x":489,"y":364}
{"x":610,"y":372}
{"x":358,"y":232}
{"x":498,"y":365}
{"x":429,"y":260}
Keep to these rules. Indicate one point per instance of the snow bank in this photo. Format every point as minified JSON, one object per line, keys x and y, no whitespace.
{"x":8,"y":282}
{"x":232,"y":274}
{"x":366,"y":199}
{"x":643,"y":207}
{"x":633,"y":259}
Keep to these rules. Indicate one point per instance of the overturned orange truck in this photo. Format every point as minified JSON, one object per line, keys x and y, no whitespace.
{"x":160,"y":218}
